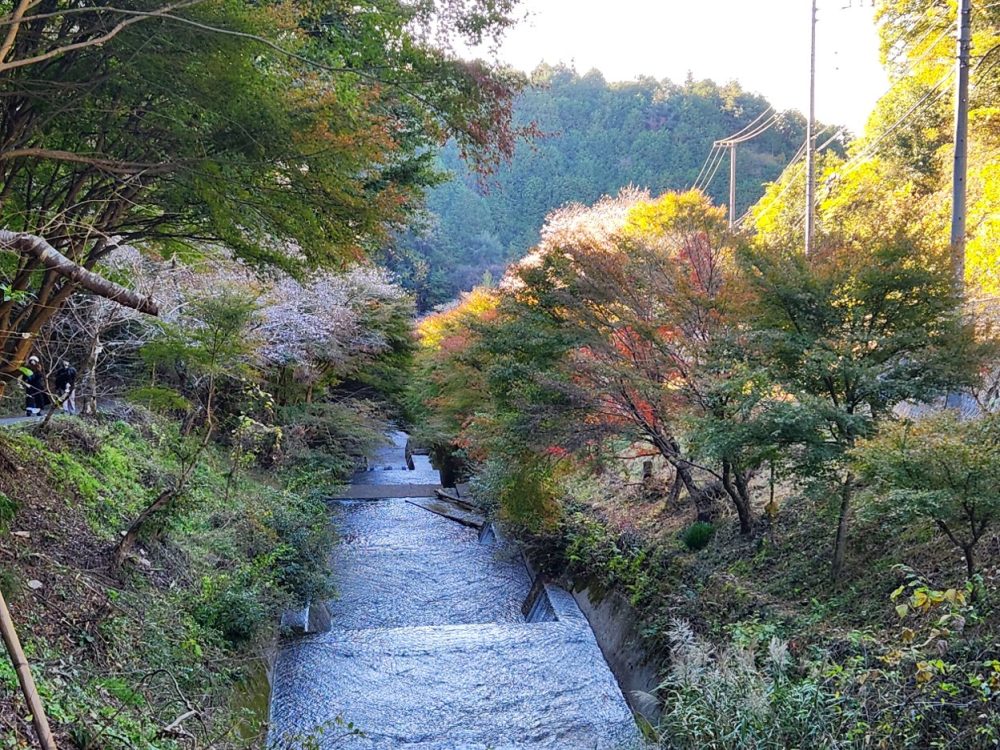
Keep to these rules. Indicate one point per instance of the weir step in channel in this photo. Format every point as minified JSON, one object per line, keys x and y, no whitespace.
{"x":429,"y":649}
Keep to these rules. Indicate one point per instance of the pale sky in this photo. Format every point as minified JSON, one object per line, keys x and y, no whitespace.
{"x":763,"y":44}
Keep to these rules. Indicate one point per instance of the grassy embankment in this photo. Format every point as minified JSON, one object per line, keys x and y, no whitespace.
{"x":119,"y":656}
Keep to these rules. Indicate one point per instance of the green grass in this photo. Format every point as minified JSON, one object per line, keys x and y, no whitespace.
{"x":190,"y":625}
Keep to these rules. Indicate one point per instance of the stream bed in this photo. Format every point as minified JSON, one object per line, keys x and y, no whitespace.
{"x":428,"y":647}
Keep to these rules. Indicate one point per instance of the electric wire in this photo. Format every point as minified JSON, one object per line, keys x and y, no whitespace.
{"x":930,"y":48}
{"x":741,"y":131}
{"x":710,"y":175}
{"x":870,"y":148}
{"x":855,"y":161}
{"x":719,"y":148}
{"x":716,"y":145}
{"x":719,"y":152}
{"x":795,"y":163}
{"x":718,"y":164}
{"x":761,"y":129}
{"x":708,"y":158}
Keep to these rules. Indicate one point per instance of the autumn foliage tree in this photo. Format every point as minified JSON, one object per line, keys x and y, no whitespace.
{"x":293,"y":135}
{"x":610,"y":330}
{"x":449,"y":388}
{"x":941,"y":469}
{"x":643,"y":322}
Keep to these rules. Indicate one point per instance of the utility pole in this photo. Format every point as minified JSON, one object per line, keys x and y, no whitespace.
{"x":811,"y":138}
{"x":960,"y":168}
{"x":732,"y":185}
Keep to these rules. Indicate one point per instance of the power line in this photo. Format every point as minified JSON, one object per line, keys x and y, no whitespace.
{"x":710,"y":175}
{"x":749,"y":136}
{"x":792,"y":164}
{"x":708,"y":158}
{"x":741,"y":131}
{"x":858,"y":159}
{"x":717,"y":154}
{"x":718,"y":145}
{"x":869,"y":149}
{"x":718,"y":163}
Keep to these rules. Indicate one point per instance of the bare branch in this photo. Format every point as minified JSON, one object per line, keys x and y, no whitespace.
{"x":15,"y":23}
{"x":48,"y":256}
{"x":97,"y":40}
{"x":104,"y":165}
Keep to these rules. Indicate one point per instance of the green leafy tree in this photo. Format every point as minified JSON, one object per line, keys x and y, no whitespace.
{"x":943,"y":469}
{"x":293,"y":135}
{"x":848,"y":335}
{"x":210,"y":343}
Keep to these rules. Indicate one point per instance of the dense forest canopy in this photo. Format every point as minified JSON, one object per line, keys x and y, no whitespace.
{"x":596,"y":137}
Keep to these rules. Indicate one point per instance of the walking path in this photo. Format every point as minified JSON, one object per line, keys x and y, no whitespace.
{"x":7,"y":421}
{"x":429,"y":646}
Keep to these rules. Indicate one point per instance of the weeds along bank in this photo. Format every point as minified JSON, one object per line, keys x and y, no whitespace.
{"x":754,"y":644}
{"x":119,"y":656}
{"x":147,"y":551}
{"x":711,"y":425}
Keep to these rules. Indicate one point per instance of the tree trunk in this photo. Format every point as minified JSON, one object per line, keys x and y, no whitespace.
{"x":23,"y":671}
{"x":740,"y":495}
{"x":51,"y":258}
{"x":704,"y":498}
{"x":675,"y":491}
{"x":90,"y":376}
{"x":127,"y":542}
{"x":124,"y":547}
{"x":970,"y":560}
{"x":230,"y":480}
{"x":840,"y":545}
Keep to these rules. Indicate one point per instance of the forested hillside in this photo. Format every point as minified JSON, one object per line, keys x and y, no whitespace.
{"x":745,"y":440}
{"x":595,"y":137}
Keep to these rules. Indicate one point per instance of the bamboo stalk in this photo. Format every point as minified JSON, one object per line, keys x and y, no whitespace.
{"x":10,"y":640}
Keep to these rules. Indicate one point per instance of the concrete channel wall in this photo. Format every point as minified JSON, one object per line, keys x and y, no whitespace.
{"x":615,"y":624}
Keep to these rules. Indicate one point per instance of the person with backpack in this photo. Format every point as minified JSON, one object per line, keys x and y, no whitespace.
{"x":64,"y":382}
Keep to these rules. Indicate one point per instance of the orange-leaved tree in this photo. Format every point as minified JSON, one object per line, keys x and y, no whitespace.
{"x":639,"y":301}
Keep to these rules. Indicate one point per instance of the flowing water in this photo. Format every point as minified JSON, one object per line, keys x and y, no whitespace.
{"x":428,"y":648}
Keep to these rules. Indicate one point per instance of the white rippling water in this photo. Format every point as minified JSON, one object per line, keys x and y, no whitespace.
{"x":428,"y":648}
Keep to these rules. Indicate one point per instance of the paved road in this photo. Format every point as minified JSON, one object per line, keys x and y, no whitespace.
{"x":7,"y":421}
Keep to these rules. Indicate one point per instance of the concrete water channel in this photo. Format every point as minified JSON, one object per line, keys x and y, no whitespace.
{"x":428,"y":646}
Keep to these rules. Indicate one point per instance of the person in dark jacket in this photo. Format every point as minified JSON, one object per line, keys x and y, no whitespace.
{"x":64,"y":382}
{"x":36,"y":397}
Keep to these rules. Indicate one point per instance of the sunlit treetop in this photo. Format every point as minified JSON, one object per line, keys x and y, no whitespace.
{"x":435,"y":329}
